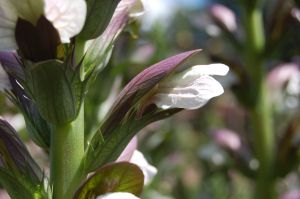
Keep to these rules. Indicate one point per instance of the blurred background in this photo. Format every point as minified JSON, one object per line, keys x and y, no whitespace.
{"x":207,"y":153}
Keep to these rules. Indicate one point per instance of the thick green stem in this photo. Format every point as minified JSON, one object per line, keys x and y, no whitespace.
{"x":261,"y":115}
{"x":67,"y":150}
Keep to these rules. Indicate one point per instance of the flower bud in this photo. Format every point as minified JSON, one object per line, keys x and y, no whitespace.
{"x":57,"y":90}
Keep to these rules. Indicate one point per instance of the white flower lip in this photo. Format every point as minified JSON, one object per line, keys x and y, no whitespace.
{"x":67,"y":16}
{"x":118,"y":195}
{"x":148,"y":170}
{"x":192,"y":88}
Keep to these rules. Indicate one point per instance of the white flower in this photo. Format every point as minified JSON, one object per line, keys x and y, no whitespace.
{"x":190,"y":89}
{"x":149,"y":171}
{"x":118,"y":195}
{"x":67,"y":16}
{"x":4,"y":80}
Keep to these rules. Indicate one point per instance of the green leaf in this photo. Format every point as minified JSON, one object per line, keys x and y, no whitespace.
{"x":53,"y":93}
{"x":37,"y":127}
{"x":20,"y":188}
{"x":100,"y":153}
{"x":117,"y":177}
{"x":99,"y":13}
{"x":15,"y":157}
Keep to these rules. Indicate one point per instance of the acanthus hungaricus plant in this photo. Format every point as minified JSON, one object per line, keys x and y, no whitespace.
{"x":51,"y":51}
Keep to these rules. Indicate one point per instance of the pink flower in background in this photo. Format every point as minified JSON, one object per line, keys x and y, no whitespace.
{"x":228,"y":139}
{"x":293,"y":194}
{"x":225,"y":16}
{"x":284,"y":84}
{"x":296,"y":13}
{"x":4,"y":195}
{"x":281,"y":74}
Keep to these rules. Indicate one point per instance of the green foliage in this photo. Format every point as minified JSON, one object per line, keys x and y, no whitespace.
{"x":19,"y":173}
{"x":21,"y":188}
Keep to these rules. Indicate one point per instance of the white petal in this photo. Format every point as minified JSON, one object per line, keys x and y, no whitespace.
{"x":8,"y":19}
{"x":67,"y":16}
{"x":4,"y":80}
{"x":118,"y":195}
{"x":211,"y":69}
{"x":149,"y":171}
{"x":193,"y":96}
{"x":30,"y":10}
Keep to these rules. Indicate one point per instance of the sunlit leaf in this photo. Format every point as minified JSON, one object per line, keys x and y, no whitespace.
{"x":117,"y":177}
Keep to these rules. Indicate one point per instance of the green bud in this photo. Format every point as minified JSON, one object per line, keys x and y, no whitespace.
{"x":55,"y":92}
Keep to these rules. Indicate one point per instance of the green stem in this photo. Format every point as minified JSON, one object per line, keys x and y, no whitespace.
{"x":67,"y":150}
{"x":261,"y":115}
{"x":264,"y":145}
